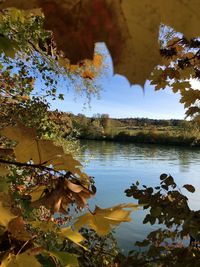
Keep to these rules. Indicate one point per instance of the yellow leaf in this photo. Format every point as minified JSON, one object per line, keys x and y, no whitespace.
{"x":103,"y":220}
{"x":43,"y":152}
{"x":65,"y":162}
{"x":74,"y":236}
{"x":21,"y":260}
{"x":29,"y":147}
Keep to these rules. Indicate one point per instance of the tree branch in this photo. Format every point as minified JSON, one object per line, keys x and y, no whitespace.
{"x":20,"y":164}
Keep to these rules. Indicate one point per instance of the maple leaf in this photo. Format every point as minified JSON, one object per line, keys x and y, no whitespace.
{"x":129,"y":28}
{"x":103,"y":220}
{"x":65,"y":162}
{"x":179,"y":86}
{"x":43,"y":152}
{"x":29,"y":147}
{"x":189,"y":97}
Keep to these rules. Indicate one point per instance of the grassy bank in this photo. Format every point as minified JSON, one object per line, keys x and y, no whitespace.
{"x":164,"y":138}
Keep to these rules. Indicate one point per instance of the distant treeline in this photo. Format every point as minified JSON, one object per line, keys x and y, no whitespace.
{"x":135,"y":130}
{"x":146,"y":122}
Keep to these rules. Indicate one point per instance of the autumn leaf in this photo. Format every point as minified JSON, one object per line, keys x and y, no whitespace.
{"x":103,"y":220}
{"x":29,"y":147}
{"x":43,"y":152}
{"x":74,"y":236}
{"x":23,"y":259}
{"x":189,"y":187}
{"x":189,"y":97}
{"x":65,"y":162}
{"x":129,"y":30}
{"x":179,"y":86}
{"x":64,"y":193}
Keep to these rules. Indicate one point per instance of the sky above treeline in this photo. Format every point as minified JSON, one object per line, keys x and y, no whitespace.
{"x":120,"y":100}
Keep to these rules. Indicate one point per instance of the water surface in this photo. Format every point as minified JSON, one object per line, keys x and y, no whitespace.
{"x":116,"y":166}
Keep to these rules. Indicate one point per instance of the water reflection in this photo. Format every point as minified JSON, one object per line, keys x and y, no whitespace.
{"x":116,"y":166}
{"x":110,"y":151}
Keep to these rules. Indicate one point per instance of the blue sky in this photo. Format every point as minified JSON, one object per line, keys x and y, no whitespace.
{"x":119,"y":99}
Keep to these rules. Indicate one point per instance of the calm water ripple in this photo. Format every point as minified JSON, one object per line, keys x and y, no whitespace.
{"x":116,"y":166}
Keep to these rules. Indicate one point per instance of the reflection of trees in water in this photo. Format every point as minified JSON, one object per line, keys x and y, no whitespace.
{"x":111,"y":151}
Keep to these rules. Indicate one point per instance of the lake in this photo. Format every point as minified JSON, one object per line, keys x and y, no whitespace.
{"x":116,"y":166}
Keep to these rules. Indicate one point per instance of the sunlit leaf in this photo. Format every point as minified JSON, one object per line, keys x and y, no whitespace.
{"x":103,"y":220}
{"x":74,"y":236}
{"x":29,"y":147}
